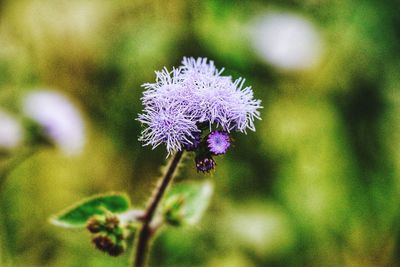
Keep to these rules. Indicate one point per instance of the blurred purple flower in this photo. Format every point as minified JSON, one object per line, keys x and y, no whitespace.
{"x":10,"y":131}
{"x":190,"y":95}
{"x":58,"y":117}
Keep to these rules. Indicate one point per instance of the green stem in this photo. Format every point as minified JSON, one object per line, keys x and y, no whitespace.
{"x":146,"y":231}
{"x":13,"y":165}
{"x":4,"y":174}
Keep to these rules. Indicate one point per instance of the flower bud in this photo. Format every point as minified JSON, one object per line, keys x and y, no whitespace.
{"x":204,"y":163}
{"x":111,"y":222}
{"x":109,"y":244}
{"x":94,"y":225}
{"x":109,"y":234}
{"x":218,"y":142}
{"x":117,"y":250}
{"x":195,"y":142}
{"x":103,"y":242}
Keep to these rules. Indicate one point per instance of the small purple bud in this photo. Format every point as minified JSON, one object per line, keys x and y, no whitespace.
{"x":218,"y":142}
{"x":195,"y":142}
{"x":204,"y":163}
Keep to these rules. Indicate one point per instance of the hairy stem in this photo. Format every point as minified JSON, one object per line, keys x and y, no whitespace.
{"x":146,"y":232}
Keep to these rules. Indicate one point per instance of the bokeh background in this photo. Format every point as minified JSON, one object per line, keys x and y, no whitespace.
{"x":317,"y":184}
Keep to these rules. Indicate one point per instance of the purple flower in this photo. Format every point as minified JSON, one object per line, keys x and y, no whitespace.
{"x":194,"y":143}
{"x":11,"y":133}
{"x":59,"y":118}
{"x":193,"y":94}
{"x":204,"y":163}
{"x":217,"y":99}
{"x":167,"y":125}
{"x":218,"y":142}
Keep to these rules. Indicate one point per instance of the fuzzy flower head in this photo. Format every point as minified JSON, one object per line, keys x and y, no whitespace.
{"x":185,"y":102}
{"x":167,"y":125}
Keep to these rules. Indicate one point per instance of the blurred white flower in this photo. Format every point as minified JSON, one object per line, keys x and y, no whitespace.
{"x":10,"y":131}
{"x":265,"y":229}
{"x":60,"y":119}
{"x":286,"y":41}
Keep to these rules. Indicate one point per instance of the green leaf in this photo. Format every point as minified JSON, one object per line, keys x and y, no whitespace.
{"x":77,"y":215}
{"x":186,"y":202}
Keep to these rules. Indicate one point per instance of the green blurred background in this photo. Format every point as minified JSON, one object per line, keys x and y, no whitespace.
{"x":317,"y":184}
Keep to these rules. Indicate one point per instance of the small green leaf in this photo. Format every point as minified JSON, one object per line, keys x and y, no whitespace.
{"x":77,"y":215}
{"x":185,"y":203}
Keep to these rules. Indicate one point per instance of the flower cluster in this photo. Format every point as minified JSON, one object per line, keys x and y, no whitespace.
{"x":185,"y":102}
{"x":108,"y":235}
